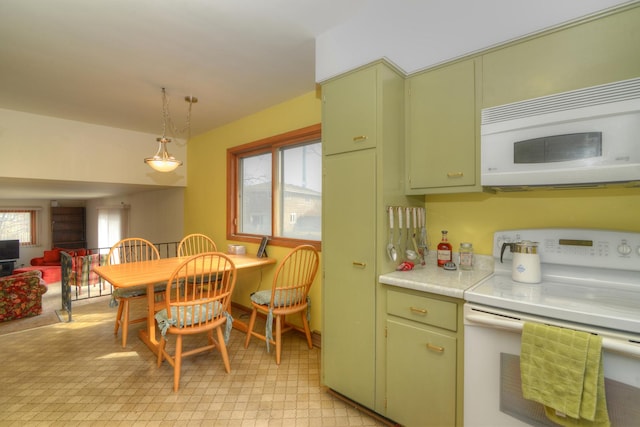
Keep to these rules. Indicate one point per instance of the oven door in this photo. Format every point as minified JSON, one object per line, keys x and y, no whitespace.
{"x":492,"y":388}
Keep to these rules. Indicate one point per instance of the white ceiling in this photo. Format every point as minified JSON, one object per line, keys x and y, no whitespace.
{"x":105,"y":61}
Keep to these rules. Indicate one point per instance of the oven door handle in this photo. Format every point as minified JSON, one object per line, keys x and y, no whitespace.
{"x":617,"y":345}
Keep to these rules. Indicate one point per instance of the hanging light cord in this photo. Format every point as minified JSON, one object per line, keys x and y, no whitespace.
{"x":166,"y":118}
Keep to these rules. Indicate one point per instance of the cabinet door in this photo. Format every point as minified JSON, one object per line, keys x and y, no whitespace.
{"x":592,"y":53}
{"x":349,"y":112}
{"x":421,"y":376}
{"x":348,"y":256}
{"x":441,"y":128}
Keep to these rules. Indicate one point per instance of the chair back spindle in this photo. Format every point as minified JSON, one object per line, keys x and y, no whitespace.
{"x":132,"y":249}
{"x":196,"y":243}
{"x":294,"y":278}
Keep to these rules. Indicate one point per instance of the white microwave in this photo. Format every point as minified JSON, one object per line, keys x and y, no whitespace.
{"x":585,"y":137}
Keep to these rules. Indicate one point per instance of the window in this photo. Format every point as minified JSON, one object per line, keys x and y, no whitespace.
{"x":21,"y":224}
{"x":275,"y":188}
{"x":113,"y":225}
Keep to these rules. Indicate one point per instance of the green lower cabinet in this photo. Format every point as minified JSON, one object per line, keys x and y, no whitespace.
{"x":421,"y":375}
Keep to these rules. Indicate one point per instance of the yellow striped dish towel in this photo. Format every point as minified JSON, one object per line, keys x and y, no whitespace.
{"x":562,"y":369}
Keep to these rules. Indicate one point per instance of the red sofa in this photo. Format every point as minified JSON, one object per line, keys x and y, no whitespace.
{"x":49,"y":263}
{"x":50,"y":273}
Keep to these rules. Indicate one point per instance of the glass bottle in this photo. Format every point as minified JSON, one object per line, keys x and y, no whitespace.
{"x":466,"y":256}
{"x":444,"y":250}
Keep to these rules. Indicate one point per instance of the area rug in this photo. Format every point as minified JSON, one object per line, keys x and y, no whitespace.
{"x":51,"y":311}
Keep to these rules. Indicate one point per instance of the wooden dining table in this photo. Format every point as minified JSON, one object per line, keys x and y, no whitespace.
{"x":150,"y":273}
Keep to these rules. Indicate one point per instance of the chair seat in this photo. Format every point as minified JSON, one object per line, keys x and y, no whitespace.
{"x":130,"y":292}
{"x":136,"y":291}
{"x":189,"y":316}
{"x":264,"y":298}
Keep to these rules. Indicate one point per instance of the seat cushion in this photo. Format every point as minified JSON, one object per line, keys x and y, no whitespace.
{"x":133,"y":292}
{"x":189,"y":316}
{"x":52,"y":256}
{"x":129,"y":292}
{"x":50,"y":274}
{"x":264,"y":298}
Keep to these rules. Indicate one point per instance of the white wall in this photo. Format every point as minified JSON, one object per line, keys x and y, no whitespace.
{"x":41,"y":147}
{"x":154,"y":215}
{"x":44,"y":232}
{"x":417,"y":34}
{"x":157,"y":216}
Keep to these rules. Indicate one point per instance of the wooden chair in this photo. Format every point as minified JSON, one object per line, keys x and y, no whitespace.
{"x":125,"y":251}
{"x":191,"y":308}
{"x":194,"y":244}
{"x":288,"y":295}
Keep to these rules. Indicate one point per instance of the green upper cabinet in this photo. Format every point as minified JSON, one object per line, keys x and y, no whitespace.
{"x":590,"y":53}
{"x":361,"y":177}
{"x":442,"y":138}
{"x":350,"y":112}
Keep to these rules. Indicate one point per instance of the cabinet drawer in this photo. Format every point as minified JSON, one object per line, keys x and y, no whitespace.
{"x":429,"y":311}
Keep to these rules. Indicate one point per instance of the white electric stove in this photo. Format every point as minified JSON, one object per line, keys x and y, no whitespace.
{"x":590,"y":277}
{"x":590,"y":282}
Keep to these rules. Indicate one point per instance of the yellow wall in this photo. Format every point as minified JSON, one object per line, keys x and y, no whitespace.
{"x":475,"y":217}
{"x":206,"y":192}
{"x":467,"y":217}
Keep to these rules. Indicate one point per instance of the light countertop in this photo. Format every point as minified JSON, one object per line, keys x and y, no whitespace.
{"x":436,"y":280}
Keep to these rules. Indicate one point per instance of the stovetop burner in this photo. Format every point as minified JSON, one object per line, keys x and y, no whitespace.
{"x":590,"y":277}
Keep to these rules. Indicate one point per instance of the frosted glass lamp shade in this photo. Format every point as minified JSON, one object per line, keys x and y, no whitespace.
{"x":162,"y":161}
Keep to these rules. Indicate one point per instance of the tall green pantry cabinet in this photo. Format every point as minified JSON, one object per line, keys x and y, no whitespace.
{"x":363,"y":154}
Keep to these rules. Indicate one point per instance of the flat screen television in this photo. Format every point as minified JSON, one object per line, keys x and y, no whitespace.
{"x":9,"y":250}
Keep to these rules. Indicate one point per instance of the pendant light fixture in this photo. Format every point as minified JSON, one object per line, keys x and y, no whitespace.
{"x":162,"y":161}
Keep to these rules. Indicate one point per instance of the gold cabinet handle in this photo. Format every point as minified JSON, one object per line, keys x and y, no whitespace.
{"x":360,"y":138}
{"x":455,"y":174}
{"x":435,"y":348}
{"x":416,"y":310}
{"x":359,"y":264}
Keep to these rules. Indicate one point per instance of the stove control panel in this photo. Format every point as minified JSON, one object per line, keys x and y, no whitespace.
{"x":578,"y":247}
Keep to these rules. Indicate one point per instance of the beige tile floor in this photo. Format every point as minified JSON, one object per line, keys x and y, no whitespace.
{"x":77,"y":374}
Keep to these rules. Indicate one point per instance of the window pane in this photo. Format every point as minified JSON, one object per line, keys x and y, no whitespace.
{"x":18,"y":225}
{"x":255,"y":195}
{"x":276,"y":189}
{"x":112,"y":225}
{"x":301,"y":192}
